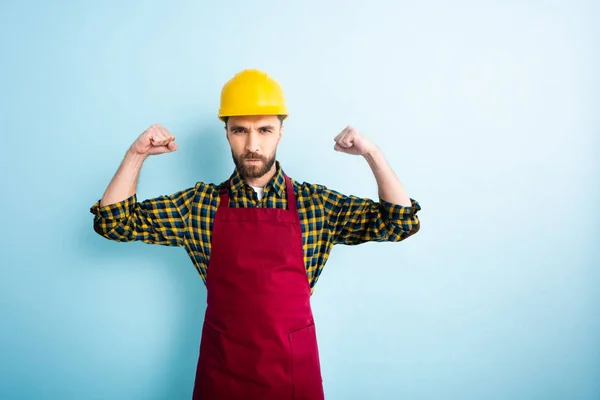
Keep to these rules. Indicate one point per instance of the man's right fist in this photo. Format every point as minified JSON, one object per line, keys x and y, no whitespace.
{"x":155,"y":140}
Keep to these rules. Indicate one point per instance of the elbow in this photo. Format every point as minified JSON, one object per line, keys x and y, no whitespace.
{"x":103,"y":230}
{"x":100,"y":228}
{"x":402,"y":231}
{"x":416,"y":226}
{"x":110,"y":230}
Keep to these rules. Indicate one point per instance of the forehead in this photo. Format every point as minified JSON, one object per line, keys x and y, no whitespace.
{"x":253,"y":120}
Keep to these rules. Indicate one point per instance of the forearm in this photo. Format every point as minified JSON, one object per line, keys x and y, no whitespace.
{"x":390,"y":188}
{"x":124,"y":183}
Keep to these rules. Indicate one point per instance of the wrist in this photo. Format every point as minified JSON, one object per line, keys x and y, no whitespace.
{"x":373,"y":154}
{"x":133,"y":157}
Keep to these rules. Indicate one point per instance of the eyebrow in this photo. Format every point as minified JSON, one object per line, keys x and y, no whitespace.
{"x":233,"y":127}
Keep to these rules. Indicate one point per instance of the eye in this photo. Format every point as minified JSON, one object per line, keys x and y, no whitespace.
{"x":265,"y":130}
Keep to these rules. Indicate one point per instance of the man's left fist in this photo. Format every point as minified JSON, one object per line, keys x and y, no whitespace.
{"x":351,"y":141}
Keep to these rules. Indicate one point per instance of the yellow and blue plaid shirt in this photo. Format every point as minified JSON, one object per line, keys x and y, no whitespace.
{"x":327,"y":217}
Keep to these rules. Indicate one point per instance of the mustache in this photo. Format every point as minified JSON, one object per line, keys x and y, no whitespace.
{"x":252,"y":156}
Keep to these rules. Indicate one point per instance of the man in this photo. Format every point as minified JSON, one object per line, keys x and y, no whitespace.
{"x":258,"y":240}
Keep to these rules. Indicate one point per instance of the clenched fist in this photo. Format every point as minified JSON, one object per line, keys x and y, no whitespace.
{"x":351,"y":141}
{"x":155,"y":140}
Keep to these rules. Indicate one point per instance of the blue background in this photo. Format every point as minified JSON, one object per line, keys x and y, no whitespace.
{"x":487,"y":111}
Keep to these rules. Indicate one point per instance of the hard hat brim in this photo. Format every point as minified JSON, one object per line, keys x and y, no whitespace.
{"x":264,"y":111}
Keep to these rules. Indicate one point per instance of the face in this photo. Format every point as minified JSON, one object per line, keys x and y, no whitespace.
{"x":253,"y":141}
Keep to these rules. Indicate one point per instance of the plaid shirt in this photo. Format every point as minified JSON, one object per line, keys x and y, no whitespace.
{"x":327,"y":217}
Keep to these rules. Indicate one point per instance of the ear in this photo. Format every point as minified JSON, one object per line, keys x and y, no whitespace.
{"x":280,"y":133}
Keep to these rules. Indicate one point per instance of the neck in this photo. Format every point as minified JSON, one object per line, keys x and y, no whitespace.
{"x":263,"y":180}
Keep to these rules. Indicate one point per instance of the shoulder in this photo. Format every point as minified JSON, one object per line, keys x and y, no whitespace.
{"x":206,"y":192}
{"x":315,"y":189}
{"x":316,"y":193}
{"x":206,"y":187}
{"x":308,"y":188}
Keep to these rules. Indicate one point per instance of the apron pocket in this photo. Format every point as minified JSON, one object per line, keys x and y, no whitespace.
{"x":306,"y":369}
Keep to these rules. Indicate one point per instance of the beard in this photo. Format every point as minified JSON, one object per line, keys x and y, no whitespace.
{"x":253,"y":171}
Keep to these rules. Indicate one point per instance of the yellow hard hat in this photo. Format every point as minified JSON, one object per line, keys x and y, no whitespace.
{"x":252,"y":92}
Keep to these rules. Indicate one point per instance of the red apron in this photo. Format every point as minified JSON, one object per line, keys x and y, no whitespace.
{"x":258,"y":338}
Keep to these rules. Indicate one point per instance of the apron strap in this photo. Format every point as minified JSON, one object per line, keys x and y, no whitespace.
{"x":291,"y":197}
{"x":224,"y":194}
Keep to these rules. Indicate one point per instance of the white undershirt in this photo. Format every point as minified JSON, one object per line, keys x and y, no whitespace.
{"x":259,"y":191}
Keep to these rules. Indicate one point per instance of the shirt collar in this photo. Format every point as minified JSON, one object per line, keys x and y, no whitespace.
{"x":277,"y":183}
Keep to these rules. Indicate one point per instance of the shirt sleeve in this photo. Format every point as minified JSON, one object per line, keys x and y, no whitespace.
{"x":353,"y":220}
{"x":161,"y":220}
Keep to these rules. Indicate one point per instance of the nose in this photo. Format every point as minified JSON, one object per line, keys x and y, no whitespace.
{"x":252,"y":142}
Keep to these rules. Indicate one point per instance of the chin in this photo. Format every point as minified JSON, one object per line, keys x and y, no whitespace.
{"x":253,"y":171}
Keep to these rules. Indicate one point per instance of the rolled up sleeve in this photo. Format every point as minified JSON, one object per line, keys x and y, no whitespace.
{"x":114,"y":211}
{"x":403,"y":220}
